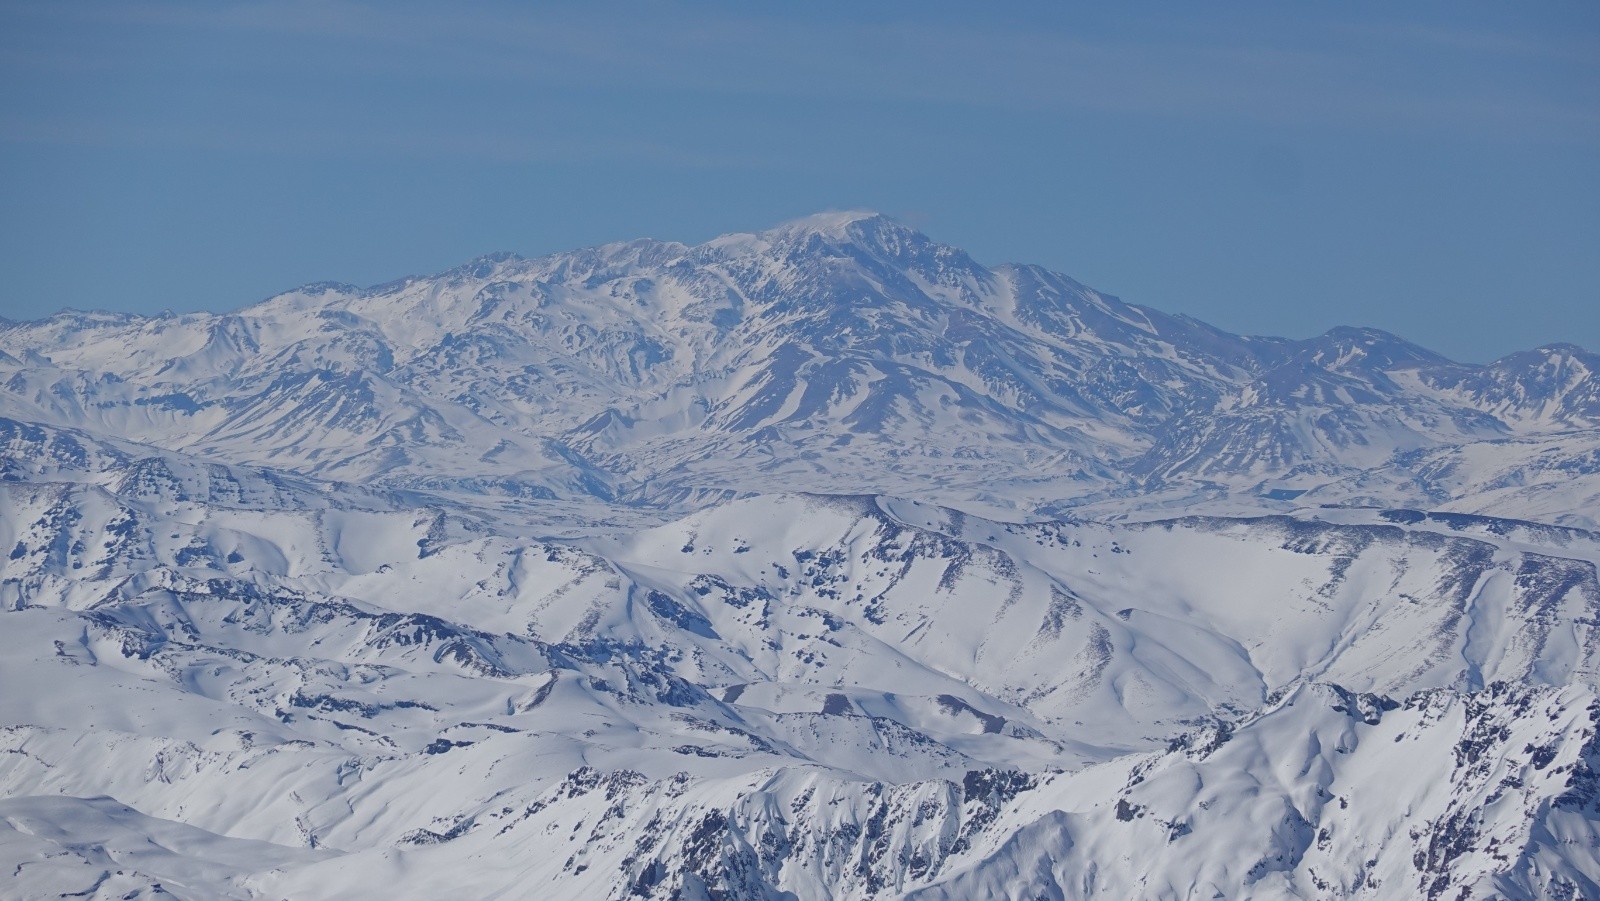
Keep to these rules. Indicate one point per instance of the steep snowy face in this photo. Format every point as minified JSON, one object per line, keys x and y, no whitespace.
{"x":1508,"y":800}
{"x":827,"y":696}
{"x":822,"y":563}
{"x":1351,"y":398}
{"x":1537,"y":390}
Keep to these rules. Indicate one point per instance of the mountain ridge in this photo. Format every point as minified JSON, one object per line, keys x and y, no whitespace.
{"x":848,"y":339}
{"x":832,"y":224}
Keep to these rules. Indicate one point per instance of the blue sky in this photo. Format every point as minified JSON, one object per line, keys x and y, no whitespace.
{"x":1431,"y":169}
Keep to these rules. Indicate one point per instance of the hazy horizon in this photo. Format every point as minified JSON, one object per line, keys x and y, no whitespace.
{"x":1433,"y":171}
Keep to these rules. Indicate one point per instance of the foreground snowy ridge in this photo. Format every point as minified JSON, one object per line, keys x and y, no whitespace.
{"x":819,"y":563}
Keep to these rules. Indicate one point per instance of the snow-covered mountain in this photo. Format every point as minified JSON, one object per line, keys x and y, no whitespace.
{"x":840,"y":353}
{"x":818,"y":563}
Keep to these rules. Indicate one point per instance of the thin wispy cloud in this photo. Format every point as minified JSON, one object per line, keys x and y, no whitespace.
{"x":413,"y":144}
{"x":1360,"y":78}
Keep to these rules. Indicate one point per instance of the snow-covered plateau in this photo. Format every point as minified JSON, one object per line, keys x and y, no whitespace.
{"x":820,"y":563}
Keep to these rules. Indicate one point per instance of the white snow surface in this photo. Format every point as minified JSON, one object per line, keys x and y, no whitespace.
{"x":819,"y":563}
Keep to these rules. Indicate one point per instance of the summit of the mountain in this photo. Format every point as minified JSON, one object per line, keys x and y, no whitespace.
{"x":837,"y":229}
{"x":1370,"y":349}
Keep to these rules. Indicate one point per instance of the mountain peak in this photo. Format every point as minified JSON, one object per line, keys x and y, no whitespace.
{"x":1345,"y":345}
{"x":484,"y":266}
{"x":1557,"y":354}
{"x":833,"y":222}
{"x":1563,"y":349}
{"x":841,"y":228}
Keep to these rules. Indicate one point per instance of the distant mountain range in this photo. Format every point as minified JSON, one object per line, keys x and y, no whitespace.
{"x":819,"y":563}
{"x":844,"y":352}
